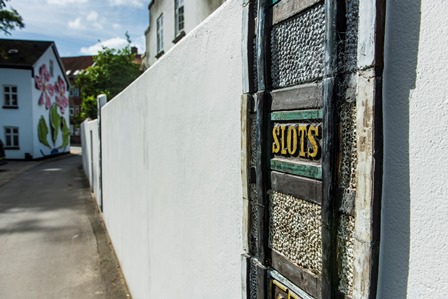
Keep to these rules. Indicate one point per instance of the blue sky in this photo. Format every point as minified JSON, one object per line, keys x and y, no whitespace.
{"x":77,"y":25}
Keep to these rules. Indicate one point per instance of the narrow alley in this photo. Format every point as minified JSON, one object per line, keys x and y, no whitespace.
{"x":52,"y":242}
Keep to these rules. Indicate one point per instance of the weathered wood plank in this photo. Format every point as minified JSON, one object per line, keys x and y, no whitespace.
{"x":369,"y":129}
{"x":329,"y":194}
{"x":245,"y":283}
{"x":371,"y":33}
{"x":334,"y":25}
{"x":261,"y":175}
{"x":303,"y":188}
{"x":287,"y":8}
{"x":245,"y":166}
{"x":306,"y":280}
{"x":262,"y":279}
{"x":305,"y":170}
{"x":369,"y":182}
{"x":306,"y":96}
{"x":296,"y":115}
{"x":247,"y":45}
{"x":261,"y":42}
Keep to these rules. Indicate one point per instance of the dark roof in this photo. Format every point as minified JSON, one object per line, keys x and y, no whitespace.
{"x":21,"y":53}
{"x":77,"y":63}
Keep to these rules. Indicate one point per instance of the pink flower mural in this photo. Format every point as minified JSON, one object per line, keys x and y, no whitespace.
{"x":61,"y":90}
{"x":42,"y":83}
{"x":54,"y":123}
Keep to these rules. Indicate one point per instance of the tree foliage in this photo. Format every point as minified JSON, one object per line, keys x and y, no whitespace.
{"x":89,"y":108}
{"x":112,"y":71}
{"x":9,"y":19}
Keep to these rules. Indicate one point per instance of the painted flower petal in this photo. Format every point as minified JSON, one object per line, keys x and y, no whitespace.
{"x":45,"y":73}
{"x":47,"y":101}
{"x":38,"y":82}
{"x":41,"y":99}
{"x":50,"y":89}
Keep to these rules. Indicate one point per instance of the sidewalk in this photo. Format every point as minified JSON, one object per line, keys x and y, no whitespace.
{"x":9,"y":171}
{"x":53,"y":242}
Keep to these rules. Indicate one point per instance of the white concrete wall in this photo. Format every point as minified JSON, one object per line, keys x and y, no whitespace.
{"x":414,"y":240}
{"x":39,"y":149}
{"x":21,"y":117}
{"x":90,"y":155}
{"x":171,"y":176}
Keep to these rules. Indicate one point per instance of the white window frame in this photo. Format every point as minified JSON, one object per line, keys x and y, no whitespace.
{"x":160,"y":33}
{"x":51,"y":68}
{"x":179,"y":12}
{"x":9,"y":96}
{"x":74,"y":91}
{"x":11,"y":137}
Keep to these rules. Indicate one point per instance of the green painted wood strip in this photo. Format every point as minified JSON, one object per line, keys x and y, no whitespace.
{"x":274,"y":1}
{"x":296,"y":115}
{"x":309,"y":171}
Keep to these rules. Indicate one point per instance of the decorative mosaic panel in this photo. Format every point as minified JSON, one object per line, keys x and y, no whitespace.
{"x":254,"y":219}
{"x":295,"y":230}
{"x":346,"y":256}
{"x":349,"y":158}
{"x":253,"y":143}
{"x":254,"y":64}
{"x":306,"y":167}
{"x":253,"y":284}
{"x":348,"y":148}
{"x":349,"y":51}
{"x":297,"y":48}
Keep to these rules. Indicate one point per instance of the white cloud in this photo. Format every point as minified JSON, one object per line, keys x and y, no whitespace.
{"x":65,"y":2}
{"x":116,"y":43}
{"x":135,"y":3}
{"x":92,"y":16}
{"x":75,"y":24}
{"x":93,"y":20}
{"x":80,"y":33}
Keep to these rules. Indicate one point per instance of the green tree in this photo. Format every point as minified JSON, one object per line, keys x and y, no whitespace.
{"x":9,"y":18}
{"x":88,"y":108}
{"x":112,"y":72}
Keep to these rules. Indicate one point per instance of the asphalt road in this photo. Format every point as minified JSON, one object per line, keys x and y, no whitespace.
{"x":52,"y":242}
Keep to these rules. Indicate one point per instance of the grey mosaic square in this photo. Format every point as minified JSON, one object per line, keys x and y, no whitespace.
{"x":348,"y":52}
{"x":297,"y":48}
{"x":295,"y":230}
{"x":346,"y":255}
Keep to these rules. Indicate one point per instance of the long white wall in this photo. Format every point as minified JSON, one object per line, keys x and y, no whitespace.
{"x":90,"y":156}
{"x":414,"y":238}
{"x":171,"y":167}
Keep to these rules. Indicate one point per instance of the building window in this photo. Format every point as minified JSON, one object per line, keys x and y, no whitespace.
{"x":179,"y":12}
{"x":10,"y":96}
{"x":74,"y":91}
{"x":160,"y":34}
{"x":11,"y":137}
{"x":51,"y":68}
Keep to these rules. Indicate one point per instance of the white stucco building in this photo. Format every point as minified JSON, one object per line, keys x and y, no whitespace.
{"x":169,"y":21}
{"x":34,"y":112}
